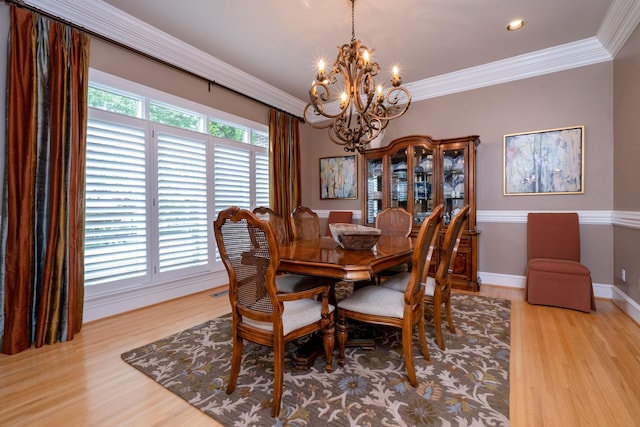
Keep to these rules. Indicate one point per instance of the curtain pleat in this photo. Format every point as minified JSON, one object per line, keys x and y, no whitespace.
{"x":43,"y":229}
{"x":284,"y":155}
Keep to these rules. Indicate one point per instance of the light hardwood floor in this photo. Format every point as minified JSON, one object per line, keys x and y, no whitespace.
{"x":567,"y":369}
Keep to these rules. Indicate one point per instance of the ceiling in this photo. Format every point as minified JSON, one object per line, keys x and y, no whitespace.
{"x":269,"y":49}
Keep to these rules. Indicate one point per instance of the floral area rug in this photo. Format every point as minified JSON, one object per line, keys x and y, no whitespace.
{"x":465,"y":385}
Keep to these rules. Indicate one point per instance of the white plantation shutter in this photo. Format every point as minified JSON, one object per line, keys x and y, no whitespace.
{"x":155,"y":185}
{"x":262,"y":179}
{"x":182,"y":202}
{"x":260,"y":139}
{"x":232,"y":177}
{"x":116,"y":222}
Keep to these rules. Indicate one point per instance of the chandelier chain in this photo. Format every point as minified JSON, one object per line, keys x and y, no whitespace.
{"x":353,"y":20}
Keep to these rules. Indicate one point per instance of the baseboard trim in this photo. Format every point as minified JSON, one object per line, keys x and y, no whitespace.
{"x":600,"y":290}
{"x":106,"y":304}
{"x":626,"y":304}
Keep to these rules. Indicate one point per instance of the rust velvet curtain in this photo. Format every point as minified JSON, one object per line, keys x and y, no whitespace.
{"x":42,"y":271}
{"x":284,"y":155}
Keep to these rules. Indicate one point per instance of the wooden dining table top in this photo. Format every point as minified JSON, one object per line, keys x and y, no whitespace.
{"x":324,"y":257}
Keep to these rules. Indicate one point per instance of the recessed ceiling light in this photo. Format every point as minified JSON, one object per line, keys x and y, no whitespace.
{"x":515,"y":25}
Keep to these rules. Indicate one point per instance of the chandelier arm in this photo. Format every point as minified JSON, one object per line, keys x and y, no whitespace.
{"x":393,"y":109}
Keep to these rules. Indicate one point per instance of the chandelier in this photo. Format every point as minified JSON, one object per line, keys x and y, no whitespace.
{"x":365,"y":107}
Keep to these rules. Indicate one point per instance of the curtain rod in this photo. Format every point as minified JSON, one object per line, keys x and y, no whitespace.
{"x":21,"y":4}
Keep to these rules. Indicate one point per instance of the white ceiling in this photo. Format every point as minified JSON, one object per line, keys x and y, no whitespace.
{"x":268,"y":49}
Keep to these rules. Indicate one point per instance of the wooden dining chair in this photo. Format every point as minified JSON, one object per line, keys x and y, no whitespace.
{"x":260,"y":314}
{"x":305,"y":224}
{"x":286,"y":282}
{"x":438,"y":289}
{"x":384,"y":306}
{"x":275,"y":220}
{"x":394,"y":222}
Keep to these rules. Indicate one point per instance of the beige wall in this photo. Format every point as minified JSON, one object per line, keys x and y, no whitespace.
{"x":626,"y":188}
{"x":582,"y":96}
{"x":122,"y":63}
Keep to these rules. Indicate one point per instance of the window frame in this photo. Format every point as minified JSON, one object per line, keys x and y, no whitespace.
{"x":121,"y":86}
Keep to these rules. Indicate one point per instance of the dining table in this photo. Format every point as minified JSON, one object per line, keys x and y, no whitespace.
{"x":325,"y":258}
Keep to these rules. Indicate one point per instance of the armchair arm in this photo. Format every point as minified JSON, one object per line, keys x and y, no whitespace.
{"x":309,"y":293}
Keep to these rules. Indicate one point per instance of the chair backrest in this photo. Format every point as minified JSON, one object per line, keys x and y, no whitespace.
{"x":449,"y":248}
{"x":553,"y":235}
{"x":338,"y":216}
{"x":305,"y":224}
{"x":423,"y":249}
{"x":394,"y":222}
{"x":249,"y":252}
{"x":276,"y":222}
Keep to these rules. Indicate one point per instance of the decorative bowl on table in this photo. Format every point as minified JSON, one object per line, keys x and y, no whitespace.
{"x":354,"y":237}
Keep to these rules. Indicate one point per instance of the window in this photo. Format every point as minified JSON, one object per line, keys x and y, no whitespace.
{"x":115,"y":202}
{"x":175,"y":117}
{"x":156,"y":181}
{"x":182,"y":202}
{"x":110,"y":100}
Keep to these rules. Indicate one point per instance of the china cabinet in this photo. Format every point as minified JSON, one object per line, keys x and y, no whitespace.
{"x":417,"y":173}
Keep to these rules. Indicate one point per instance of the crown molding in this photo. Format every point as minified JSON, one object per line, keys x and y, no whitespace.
{"x":571,"y":55}
{"x":105,"y":20}
{"x":621,"y":20}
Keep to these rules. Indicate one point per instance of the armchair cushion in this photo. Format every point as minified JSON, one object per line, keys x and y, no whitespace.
{"x":289,"y":282}
{"x":397,"y":282}
{"x":296,"y":314}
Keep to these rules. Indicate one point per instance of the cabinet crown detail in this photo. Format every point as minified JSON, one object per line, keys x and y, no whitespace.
{"x":417,"y":173}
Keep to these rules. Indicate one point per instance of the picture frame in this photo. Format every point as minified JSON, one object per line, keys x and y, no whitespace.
{"x":339,"y":177}
{"x":544,"y":162}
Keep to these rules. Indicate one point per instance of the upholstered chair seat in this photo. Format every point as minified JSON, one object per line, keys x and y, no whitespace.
{"x":367,"y":300}
{"x":296,"y":314}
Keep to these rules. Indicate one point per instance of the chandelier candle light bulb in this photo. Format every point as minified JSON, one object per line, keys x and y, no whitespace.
{"x":365,"y":107}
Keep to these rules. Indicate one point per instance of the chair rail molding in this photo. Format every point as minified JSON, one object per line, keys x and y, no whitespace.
{"x":629,"y":219}
{"x":586,"y":217}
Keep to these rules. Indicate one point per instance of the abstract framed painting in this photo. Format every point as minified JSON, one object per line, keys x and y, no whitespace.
{"x":339,"y":177}
{"x":544,"y":162}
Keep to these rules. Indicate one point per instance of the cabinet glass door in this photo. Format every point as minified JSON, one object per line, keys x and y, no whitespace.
{"x":374,"y":189}
{"x":398,"y":179}
{"x":453,"y":182}
{"x":422,"y":184}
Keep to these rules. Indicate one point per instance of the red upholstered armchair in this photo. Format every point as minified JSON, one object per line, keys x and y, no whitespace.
{"x":555,"y":275}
